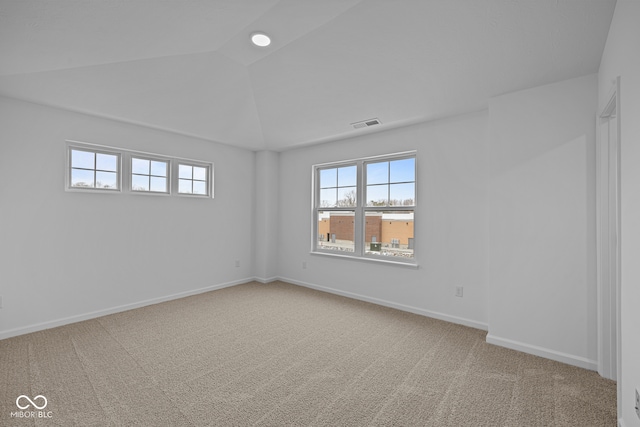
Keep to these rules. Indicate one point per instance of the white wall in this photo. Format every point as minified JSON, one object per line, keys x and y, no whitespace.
{"x":621,"y":58}
{"x":450,"y":225}
{"x":542,"y":294}
{"x":66,"y":255}
{"x":266,"y":216}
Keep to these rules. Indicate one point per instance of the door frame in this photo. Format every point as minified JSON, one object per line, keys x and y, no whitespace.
{"x":608,"y":237}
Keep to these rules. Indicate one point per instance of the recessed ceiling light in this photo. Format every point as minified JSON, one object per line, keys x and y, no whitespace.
{"x":260,"y":39}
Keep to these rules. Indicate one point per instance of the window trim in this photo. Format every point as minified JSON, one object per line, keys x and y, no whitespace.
{"x":361,"y":209}
{"x":125,"y":169}
{"x":193,"y":163}
{"x":95,"y":150}
{"x":133,"y":155}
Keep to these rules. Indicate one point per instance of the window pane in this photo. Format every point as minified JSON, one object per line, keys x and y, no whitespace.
{"x":347,"y":176}
{"x":106,"y":162}
{"x":106,"y":180}
{"x":81,"y":178}
{"x":328,"y":178}
{"x":336,"y":231}
{"x":140,"y":182}
{"x":158,"y":184}
{"x":185,"y":172}
{"x":328,"y":197}
{"x":389,"y":234}
{"x":402,"y":170}
{"x":199,"y":187}
{"x":140,"y":166}
{"x":377,"y":173}
{"x":159,"y":168}
{"x":184,"y":186}
{"x":402,"y":194}
{"x":377,"y":195}
{"x":82,"y":159}
{"x":200,"y":173}
{"x":347,"y":197}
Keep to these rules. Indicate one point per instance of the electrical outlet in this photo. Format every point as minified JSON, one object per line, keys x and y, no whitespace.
{"x":237,"y":263}
{"x":304,"y":264}
{"x":459,"y":291}
{"x":637,"y":403}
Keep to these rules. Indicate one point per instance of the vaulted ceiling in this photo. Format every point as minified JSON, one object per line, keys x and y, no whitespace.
{"x":188,"y":66}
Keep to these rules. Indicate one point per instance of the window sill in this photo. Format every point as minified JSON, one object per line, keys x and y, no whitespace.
{"x":406,"y":264}
{"x":150,"y":193}
{"x":92,"y":190}
{"x":194,"y":196}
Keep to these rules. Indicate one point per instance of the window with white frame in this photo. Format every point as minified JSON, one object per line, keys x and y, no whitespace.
{"x":193,"y":179}
{"x":93,"y":169}
{"x":149,"y":175}
{"x":366,"y":208}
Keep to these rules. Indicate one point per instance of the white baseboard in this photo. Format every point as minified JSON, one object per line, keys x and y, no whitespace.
{"x":263,"y":280}
{"x":98,"y":313}
{"x":620,"y":422}
{"x":558,"y":356}
{"x":391,"y":304}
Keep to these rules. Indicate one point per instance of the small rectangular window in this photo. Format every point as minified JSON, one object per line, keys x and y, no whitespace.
{"x":94,"y":169}
{"x":389,"y":233}
{"x":193,"y":179}
{"x":338,"y":187}
{"x":149,"y":175}
{"x":336,"y":231}
{"x":391,"y":183}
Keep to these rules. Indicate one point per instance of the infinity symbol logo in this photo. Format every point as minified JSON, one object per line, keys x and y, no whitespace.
{"x":22,"y":397}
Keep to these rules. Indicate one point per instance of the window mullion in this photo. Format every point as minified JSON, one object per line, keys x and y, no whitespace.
{"x":359,"y":216}
{"x":123,"y":168}
{"x":388,"y":183}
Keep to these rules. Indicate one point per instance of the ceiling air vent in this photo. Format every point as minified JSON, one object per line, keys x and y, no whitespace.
{"x":365,"y":123}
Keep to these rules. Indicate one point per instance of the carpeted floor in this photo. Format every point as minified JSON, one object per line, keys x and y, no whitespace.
{"x":282,"y":355}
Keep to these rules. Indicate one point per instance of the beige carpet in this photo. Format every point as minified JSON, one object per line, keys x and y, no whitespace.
{"x":282,"y":355}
